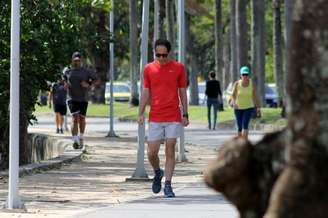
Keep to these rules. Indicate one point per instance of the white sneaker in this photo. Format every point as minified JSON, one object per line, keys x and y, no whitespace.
{"x":76,"y":142}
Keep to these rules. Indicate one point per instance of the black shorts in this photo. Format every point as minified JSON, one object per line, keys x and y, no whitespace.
{"x":77,"y":107}
{"x":62,"y":109}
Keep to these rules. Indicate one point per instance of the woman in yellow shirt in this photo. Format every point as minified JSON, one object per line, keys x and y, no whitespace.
{"x":244,"y":101}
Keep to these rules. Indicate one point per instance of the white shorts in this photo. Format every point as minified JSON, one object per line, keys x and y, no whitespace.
{"x":163,"y":130}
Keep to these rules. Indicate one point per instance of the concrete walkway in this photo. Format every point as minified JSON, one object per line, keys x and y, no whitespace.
{"x":195,"y":201}
{"x":96,"y":186}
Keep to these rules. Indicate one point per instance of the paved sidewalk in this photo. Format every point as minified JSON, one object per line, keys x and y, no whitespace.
{"x":98,"y":180}
{"x":193,"y":201}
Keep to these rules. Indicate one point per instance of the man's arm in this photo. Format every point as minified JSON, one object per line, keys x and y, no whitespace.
{"x":143,"y":103}
{"x":184,"y":102}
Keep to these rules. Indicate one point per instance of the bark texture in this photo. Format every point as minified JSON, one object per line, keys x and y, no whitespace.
{"x":277,"y":48}
{"x":218,"y":41}
{"x":258,"y":47}
{"x":284,"y":175}
{"x":134,"y":52}
{"x":242,"y":33}
{"x":233,"y":41}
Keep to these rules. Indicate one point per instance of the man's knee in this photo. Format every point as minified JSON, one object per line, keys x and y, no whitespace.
{"x":153,"y":149}
{"x":75,"y":118}
{"x":170,"y":148}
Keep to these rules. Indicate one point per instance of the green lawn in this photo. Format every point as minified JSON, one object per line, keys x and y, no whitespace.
{"x":198,"y":114}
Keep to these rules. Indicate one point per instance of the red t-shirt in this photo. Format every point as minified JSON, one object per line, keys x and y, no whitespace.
{"x":163,"y":82}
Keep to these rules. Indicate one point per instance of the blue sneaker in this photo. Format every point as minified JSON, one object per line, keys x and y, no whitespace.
{"x":157,"y":182}
{"x":168,"y":192}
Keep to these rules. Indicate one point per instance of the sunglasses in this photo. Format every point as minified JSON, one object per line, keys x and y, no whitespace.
{"x":158,"y":55}
{"x":244,"y":74}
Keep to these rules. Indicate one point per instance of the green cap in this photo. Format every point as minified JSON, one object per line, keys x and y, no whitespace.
{"x":244,"y":70}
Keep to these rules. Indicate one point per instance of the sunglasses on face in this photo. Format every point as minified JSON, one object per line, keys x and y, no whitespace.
{"x":158,"y":55}
{"x":244,"y":74}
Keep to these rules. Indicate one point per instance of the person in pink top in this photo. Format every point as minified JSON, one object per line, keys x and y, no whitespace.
{"x":164,"y":87}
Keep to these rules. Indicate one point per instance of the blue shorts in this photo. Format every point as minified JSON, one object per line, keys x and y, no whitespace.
{"x":243,"y":117}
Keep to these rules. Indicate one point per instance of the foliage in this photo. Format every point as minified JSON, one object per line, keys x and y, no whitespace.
{"x":49,"y":33}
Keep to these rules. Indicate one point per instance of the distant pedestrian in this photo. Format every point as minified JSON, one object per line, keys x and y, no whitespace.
{"x":79,"y":79}
{"x":164,"y":83}
{"x":57,"y":98}
{"x":244,"y":101}
{"x":214,"y":98}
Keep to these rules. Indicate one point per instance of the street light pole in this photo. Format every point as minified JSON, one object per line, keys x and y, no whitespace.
{"x":140,"y":172}
{"x":13,"y":201}
{"x":181,"y":37}
{"x":111,"y":74}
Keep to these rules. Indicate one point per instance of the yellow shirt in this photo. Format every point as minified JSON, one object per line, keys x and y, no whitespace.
{"x":244,"y":97}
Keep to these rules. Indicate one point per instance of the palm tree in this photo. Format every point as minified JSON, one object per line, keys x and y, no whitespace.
{"x":193,"y":66}
{"x":242,"y":32}
{"x":277,"y":48}
{"x":218,"y":41}
{"x":233,"y":41}
{"x":170,"y":22}
{"x":133,"y":52}
{"x":258,"y":46}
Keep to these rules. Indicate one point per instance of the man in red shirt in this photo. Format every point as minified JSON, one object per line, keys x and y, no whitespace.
{"x":164,"y":84}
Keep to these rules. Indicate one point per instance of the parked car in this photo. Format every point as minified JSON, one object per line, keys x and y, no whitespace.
{"x":121,"y":92}
{"x":271,"y":96}
{"x":201,"y":93}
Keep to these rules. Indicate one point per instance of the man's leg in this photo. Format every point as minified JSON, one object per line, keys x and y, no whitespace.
{"x":82,"y":122}
{"x":170,"y":158}
{"x":152,"y":152}
{"x":75,"y":124}
{"x":57,"y":117}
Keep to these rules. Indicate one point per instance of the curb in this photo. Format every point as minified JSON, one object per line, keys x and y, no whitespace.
{"x":68,"y":156}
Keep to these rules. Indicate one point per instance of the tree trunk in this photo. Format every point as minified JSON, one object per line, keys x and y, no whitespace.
{"x":226,"y":61}
{"x":134,"y":52}
{"x":170,"y":22}
{"x":99,"y":58}
{"x":161,"y":21}
{"x":277,"y":48}
{"x":284,"y":175}
{"x":258,"y":47}
{"x":218,"y":41}
{"x":233,"y":41}
{"x":193,"y":67}
{"x":289,"y":4}
{"x":242,"y":32}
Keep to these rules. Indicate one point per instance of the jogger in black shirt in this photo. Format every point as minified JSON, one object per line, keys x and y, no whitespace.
{"x":214,"y":96}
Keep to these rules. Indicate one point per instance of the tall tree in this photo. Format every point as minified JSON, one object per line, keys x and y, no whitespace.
{"x":192,"y":59}
{"x":284,"y":174}
{"x":242,"y":33}
{"x":277,"y":48}
{"x":169,"y":6}
{"x":133,"y":51}
{"x":258,"y":47}
{"x":218,"y":40}
{"x":233,"y":41}
{"x":161,"y":21}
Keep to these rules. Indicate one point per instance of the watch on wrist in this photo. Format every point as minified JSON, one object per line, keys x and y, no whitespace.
{"x":185,"y":115}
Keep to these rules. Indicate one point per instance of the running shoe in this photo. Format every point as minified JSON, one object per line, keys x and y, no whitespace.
{"x":157,"y":182}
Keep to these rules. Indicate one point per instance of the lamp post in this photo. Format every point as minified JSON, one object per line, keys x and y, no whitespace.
{"x":140,"y":172}
{"x":111,"y":132}
{"x":13,"y":201}
{"x":181,"y":37}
